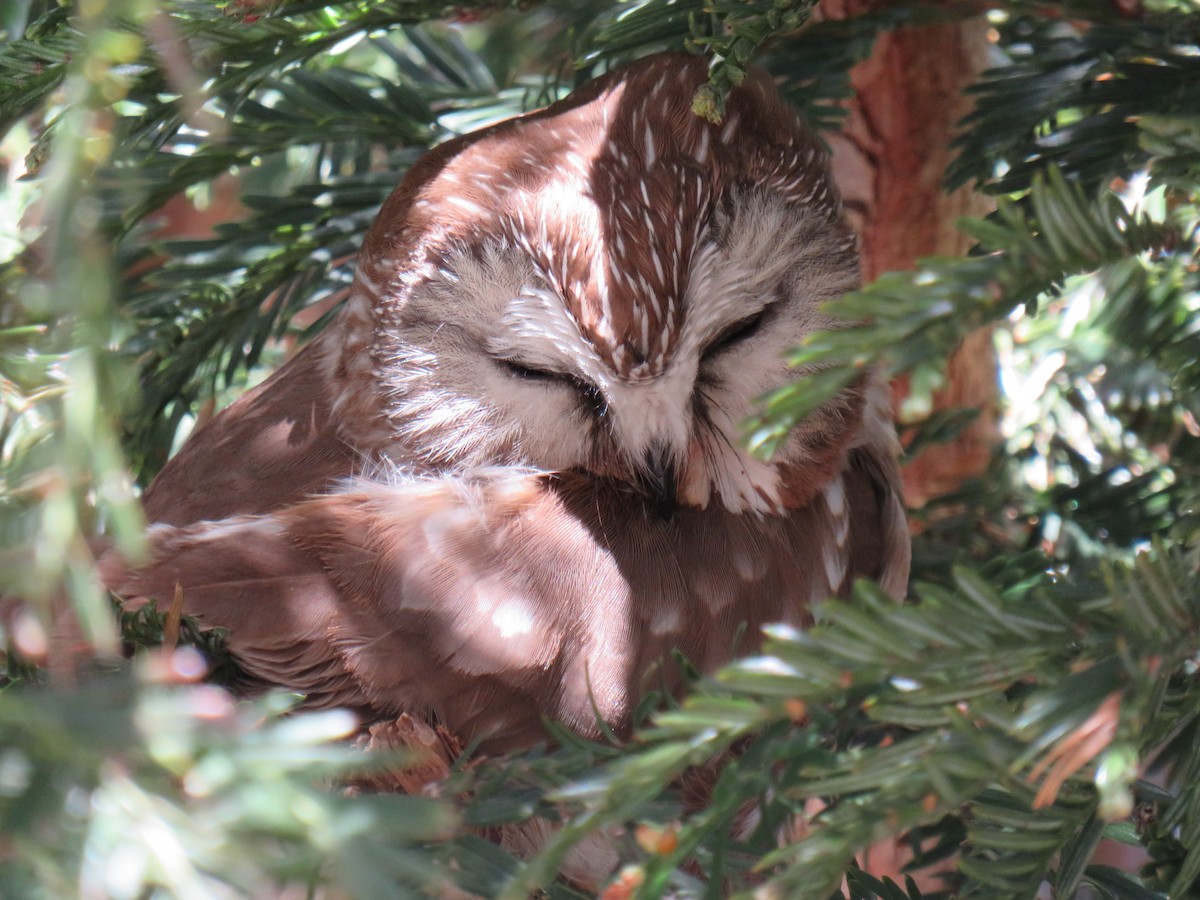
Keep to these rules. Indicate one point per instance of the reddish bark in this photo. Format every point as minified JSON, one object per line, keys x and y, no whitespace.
{"x":890,"y":163}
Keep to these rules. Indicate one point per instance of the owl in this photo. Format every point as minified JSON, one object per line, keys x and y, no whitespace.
{"x":508,"y":481}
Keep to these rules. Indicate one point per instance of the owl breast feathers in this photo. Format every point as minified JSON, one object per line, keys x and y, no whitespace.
{"x":508,"y":480}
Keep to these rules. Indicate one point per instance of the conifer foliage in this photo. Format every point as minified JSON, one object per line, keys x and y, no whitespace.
{"x":1038,"y":695}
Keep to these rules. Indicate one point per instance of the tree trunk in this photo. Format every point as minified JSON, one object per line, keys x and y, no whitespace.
{"x":890,"y":162}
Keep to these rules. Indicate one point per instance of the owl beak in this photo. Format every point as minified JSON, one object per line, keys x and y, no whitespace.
{"x":660,"y":481}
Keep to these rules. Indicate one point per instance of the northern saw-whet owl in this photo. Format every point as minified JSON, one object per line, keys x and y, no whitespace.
{"x":507,"y":480}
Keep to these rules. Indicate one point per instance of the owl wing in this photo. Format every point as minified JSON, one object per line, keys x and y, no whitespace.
{"x":479,"y":600}
{"x":275,"y":444}
{"x":879,"y":545}
{"x":246,"y":575}
{"x":889,"y":559}
{"x":490,"y":599}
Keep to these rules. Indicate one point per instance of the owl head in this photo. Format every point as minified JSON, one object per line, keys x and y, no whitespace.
{"x":607,"y":286}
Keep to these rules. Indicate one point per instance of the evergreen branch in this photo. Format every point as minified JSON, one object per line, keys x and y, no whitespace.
{"x":730,"y":32}
{"x":335,"y":110}
{"x":208,"y":313}
{"x":813,"y":64}
{"x":970,"y":697}
{"x":644,"y":25}
{"x":343,"y":113}
{"x":223,"y":56}
{"x":32,"y":67}
{"x":1074,"y":100}
{"x":200,"y":797}
{"x":743,"y":29}
{"x":1150,"y":308}
{"x":912,"y":320}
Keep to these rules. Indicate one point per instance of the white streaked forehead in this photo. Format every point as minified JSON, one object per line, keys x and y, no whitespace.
{"x":759,"y":259}
{"x":557,"y":227}
{"x":537,"y":328}
{"x":524,"y":318}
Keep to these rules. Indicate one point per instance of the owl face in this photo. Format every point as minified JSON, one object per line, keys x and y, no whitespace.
{"x":608,"y":286}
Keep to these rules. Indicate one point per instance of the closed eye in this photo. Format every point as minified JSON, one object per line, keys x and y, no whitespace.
{"x":738,"y":331}
{"x":527,"y":373}
{"x":591,"y":399}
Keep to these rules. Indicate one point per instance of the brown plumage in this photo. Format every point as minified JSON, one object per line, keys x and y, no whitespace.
{"x":507,"y":481}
